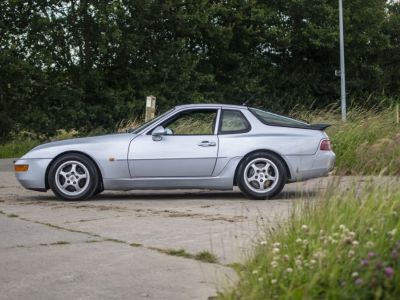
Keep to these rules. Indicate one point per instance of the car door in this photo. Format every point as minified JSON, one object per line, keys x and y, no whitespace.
{"x":188,"y":149}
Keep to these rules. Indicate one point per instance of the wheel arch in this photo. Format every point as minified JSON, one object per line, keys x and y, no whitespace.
{"x":265,"y":151}
{"x":72,"y":152}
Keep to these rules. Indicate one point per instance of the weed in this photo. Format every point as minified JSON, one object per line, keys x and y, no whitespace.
{"x":342,"y":245}
{"x":206,"y":256}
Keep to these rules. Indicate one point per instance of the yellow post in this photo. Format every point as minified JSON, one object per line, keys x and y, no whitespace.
{"x":150,"y":108}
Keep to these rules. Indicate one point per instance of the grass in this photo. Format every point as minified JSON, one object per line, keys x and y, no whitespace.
{"x":342,"y":246}
{"x":367,"y":144}
{"x":23,"y":142}
{"x":203,"y":256}
{"x":206,"y":256}
{"x":17,"y":147}
{"x":61,"y":243}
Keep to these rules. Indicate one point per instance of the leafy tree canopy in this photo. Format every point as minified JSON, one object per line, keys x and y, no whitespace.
{"x":88,"y":64}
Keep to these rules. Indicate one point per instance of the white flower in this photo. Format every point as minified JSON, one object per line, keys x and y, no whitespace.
{"x":354,"y":275}
{"x":355,"y":243}
{"x":298,"y":262}
{"x":289,"y":270}
{"x":263,"y":243}
{"x":276,"y":245}
{"x":319,"y":254}
{"x":275,"y":250}
{"x":352,"y":234}
{"x":299,"y":241}
{"x":255,"y":272}
{"x":274,"y":264}
{"x":351,"y":253}
{"x":304,"y":227}
{"x":273,"y":281}
{"x":305,"y":242}
{"x":313,"y":261}
{"x":260,"y":279}
{"x":370,"y":244}
{"x":321,"y":232}
{"x":342,"y":227}
{"x":392,"y":232}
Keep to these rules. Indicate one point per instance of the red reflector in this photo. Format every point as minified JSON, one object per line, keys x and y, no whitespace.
{"x":325,"y":145}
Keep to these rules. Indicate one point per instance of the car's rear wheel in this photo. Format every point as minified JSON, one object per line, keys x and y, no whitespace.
{"x":261,"y":175}
{"x":73,"y":177}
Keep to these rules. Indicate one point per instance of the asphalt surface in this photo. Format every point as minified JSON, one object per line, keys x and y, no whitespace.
{"x":111,"y":247}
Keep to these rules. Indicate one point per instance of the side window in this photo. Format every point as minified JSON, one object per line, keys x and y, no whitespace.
{"x":195,"y":122}
{"x":233,"y":121}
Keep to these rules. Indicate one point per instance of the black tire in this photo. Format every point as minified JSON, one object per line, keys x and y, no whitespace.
{"x":100,"y":189}
{"x":245,"y":170}
{"x":89,"y":185}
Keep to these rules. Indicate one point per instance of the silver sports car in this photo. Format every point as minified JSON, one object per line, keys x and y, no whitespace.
{"x":199,"y":146}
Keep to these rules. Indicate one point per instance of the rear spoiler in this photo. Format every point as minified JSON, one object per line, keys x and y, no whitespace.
{"x":319,"y":126}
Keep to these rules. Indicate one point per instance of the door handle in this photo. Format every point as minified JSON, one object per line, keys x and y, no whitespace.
{"x":207,"y":144}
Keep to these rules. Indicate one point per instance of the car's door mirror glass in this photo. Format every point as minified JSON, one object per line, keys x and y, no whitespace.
{"x":157,"y":133}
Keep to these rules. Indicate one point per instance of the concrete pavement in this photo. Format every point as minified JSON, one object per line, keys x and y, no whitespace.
{"x":114,"y":245}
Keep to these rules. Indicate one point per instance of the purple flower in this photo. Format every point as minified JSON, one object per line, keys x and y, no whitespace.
{"x":359,"y":281}
{"x":364,"y":263}
{"x":371,"y":254}
{"x":394,"y":254}
{"x":389,"y":272}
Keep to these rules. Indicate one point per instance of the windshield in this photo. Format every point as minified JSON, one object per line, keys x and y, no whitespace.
{"x":269,"y":118}
{"x":148,"y":123}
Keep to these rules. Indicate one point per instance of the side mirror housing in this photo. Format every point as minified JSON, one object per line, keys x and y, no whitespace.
{"x":158,"y":133}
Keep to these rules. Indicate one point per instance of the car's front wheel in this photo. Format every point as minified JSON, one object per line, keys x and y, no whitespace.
{"x":261,"y":175}
{"x":73,"y":177}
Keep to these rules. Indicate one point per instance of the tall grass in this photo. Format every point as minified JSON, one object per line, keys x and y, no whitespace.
{"x":23,"y":142}
{"x":367,"y":144}
{"x":342,"y":246}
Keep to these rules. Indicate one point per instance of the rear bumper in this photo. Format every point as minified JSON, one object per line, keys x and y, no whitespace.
{"x":35,"y":177}
{"x":311,"y":166}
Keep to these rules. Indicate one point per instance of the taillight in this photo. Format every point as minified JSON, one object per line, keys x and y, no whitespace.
{"x":325,"y":145}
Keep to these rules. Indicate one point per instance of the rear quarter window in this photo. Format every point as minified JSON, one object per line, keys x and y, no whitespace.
{"x":272,"y":119}
{"x":233,"y":121}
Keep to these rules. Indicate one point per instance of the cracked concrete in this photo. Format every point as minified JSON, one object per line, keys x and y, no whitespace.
{"x":52,"y":249}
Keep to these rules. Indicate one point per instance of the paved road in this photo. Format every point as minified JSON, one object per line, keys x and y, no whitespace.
{"x":107,"y":248}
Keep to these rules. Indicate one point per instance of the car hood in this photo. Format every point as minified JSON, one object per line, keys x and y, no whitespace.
{"x":49,"y":150}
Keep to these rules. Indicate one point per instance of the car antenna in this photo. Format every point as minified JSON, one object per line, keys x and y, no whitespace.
{"x":248,"y":100}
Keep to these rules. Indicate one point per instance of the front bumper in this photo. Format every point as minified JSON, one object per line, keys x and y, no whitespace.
{"x":35,"y":177}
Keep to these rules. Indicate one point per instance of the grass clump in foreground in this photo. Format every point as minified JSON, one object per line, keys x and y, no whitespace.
{"x":345,"y":247}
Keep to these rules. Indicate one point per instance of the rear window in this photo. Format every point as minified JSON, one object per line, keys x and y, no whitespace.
{"x":269,"y":118}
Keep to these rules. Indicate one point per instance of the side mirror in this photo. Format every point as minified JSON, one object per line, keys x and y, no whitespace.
{"x":157,"y":133}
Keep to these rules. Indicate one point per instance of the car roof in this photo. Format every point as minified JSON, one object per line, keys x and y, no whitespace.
{"x":212,"y":105}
